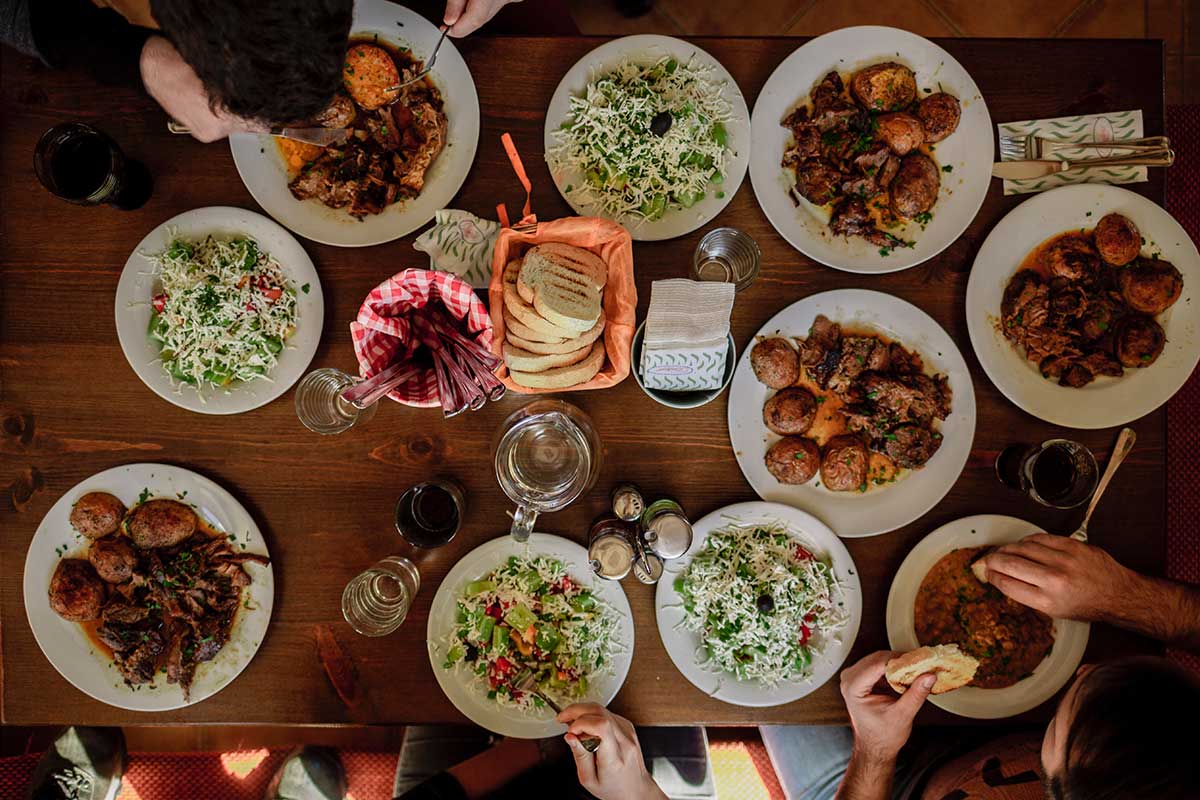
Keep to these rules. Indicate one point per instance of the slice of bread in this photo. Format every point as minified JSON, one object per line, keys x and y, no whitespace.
{"x":525,"y":361}
{"x":513,"y":327}
{"x":564,"y":284}
{"x":534,"y":346}
{"x":563,"y":377}
{"x":954,"y":668}
{"x":528,"y":316}
{"x":979,"y":569}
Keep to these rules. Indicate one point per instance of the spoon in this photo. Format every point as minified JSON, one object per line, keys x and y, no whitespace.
{"x":1124,"y":444}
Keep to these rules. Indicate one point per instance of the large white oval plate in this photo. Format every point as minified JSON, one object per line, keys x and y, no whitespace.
{"x":263,"y":170}
{"x":883,"y":508}
{"x":648,"y":48}
{"x":1070,"y":637}
{"x":482,"y":560}
{"x":67,"y":646}
{"x":682,"y":645}
{"x":138,"y":285}
{"x":968,"y":151}
{"x":1105,"y":402}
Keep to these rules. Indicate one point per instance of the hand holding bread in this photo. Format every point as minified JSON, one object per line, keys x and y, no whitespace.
{"x":882,"y":722}
{"x":953,"y":668}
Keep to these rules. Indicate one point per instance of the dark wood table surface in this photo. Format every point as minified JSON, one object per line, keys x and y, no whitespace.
{"x":71,"y":405}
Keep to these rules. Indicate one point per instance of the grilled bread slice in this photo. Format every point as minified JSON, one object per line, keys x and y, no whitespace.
{"x":563,"y":377}
{"x":513,"y":327}
{"x":954,"y":668}
{"x":534,"y":346}
{"x":564,"y":284}
{"x":525,"y":361}
{"x":526,"y":314}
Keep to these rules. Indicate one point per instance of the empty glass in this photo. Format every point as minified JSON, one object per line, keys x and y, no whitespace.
{"x":726,"y":255}
{"x":376,"y":602}
{"x":546,"y":455}
{"x":321,"y":407}
{"x":1058,"y":473}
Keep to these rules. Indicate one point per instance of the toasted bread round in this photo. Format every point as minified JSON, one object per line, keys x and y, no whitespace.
{"x":513,"y":326}
{"x":588,"y":266}
{"x":563,"y":377}
{"x":954,"y":668}
{"x":561,"y":346}
{"x":367,"y":74}
{"x":564,"y":283}
{"x":525,"y":361}
{"x":528,"y":316}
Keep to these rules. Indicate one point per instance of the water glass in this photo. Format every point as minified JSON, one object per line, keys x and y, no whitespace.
{"x":726,"y":255}
{"x":321,"y":407}
{"x":376,"y":602}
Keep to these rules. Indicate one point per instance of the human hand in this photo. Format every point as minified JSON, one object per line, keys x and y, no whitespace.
{"x":468,"y":16}
{"x":1059,"y":576}
{"x":178,"y":89}
{"x":616,"y":771}
{"x":882,"y":722}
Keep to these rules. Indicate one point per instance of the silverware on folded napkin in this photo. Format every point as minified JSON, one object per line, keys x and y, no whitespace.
{"x":322,"y":137}
{"x":1026,"y":170}
{"x":1032,"y":147}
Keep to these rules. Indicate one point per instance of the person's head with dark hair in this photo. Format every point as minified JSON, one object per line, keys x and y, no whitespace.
{"x":270,"y":61}
{"x":1122,"y":732}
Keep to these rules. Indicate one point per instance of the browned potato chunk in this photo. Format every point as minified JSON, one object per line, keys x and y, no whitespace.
{"x":160,"y":523}
{"x":901,"y":132}
{"x":1117,"y":239}
{"x":114,"y":558}
{"x":939,"y":114}
{"x":885,"y":87}
{"x":97,"y":514}
{"x":1150,"y":285}
{"x":1139,"y":341}
{"x":367,"y":74}
{"x":775,"y":362}
{"x":790,"y":411}
{"x":844,"y":466}
{"x":793,"y":460}
{"x":76,"y":591}
{"x":915,"y":187}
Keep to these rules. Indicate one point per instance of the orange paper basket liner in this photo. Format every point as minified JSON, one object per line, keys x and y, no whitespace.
{"x":603,"y":237}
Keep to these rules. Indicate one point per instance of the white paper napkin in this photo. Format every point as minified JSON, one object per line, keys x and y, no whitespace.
{"x":685,"y":341}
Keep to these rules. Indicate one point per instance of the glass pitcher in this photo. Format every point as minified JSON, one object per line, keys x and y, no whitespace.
{"x":546,"y":455}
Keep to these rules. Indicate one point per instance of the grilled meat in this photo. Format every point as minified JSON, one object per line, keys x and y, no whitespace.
{"x":851,"y":218}
{"x":821,"y":351}
{"x":911,"y":446}
{"x":1072,"y":257}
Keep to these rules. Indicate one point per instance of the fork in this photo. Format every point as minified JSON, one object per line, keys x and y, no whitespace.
{"x":1032,"y":147}
{"x":526,"y":683}
{"x":1124,"y":444}
{"x":428,"y":67}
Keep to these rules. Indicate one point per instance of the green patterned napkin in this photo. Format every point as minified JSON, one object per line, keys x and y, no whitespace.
{"x":1114,"y":126}
{"x":461,"y":243}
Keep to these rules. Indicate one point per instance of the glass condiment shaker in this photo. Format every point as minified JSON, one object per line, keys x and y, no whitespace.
{"x":611,"y":548}
{"x":667,"y":530}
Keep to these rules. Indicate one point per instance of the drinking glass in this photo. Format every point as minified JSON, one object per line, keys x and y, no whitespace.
{"x":1058,"y":473}
{"x":376,"y":601}
{"x":546,"y":455}
{"x":83,"y":165}
{"x":726,"y":255}
{"x":321,"y":407}
{"x":429,"y":514}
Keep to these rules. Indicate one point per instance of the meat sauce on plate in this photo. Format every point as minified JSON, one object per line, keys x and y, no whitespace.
{"x":953,"y":607}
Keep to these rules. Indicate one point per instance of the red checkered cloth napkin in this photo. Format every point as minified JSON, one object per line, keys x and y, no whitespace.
{"x":1183,"y":412}
{"x":382,"y":334}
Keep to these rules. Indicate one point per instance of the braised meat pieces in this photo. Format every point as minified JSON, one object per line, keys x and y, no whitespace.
{"x":396,"y":136}
{"x":1078,"y":314}
{"x":861,"y":150}
{"x":165,"y":595}
{"x":882,"y":417}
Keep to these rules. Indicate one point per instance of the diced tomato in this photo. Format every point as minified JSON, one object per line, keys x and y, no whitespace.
{"x":503,"y":665}
{"x":159,"y":302}
{"x":493,"y":681}
{"x":810,"y":617}
{"x":515,"y":695}
{"x":805,"y":633}
{"x":802,"y":553}
{"x":249,"y":306}
{"x":494,"y":611}
{"x":272,"y":294}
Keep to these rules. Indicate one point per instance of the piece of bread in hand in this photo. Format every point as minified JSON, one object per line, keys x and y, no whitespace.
{"x":565,"y":284}
{"x":953,"y":668}
{"x":562,"y":377}
{"x":979,"y":566}
{"x":562,"y":346}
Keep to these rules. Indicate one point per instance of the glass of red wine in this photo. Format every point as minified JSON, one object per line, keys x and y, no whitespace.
{"x":1058,"y":473}
{"x":82,"y":164}
{"x":429,"y":514}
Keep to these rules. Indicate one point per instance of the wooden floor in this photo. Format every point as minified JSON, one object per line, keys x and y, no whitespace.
{"x":1175,"y":21}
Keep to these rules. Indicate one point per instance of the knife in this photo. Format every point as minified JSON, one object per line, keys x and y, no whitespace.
{"x":1025,"y":170}
{"x":323,"y":137}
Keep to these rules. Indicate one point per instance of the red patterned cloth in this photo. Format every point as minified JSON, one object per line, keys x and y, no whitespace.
{"x":1183,"y":412}
{"x":382,"y":335}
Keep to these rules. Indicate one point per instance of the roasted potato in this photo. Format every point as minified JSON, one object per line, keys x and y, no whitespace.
{"x":901,"y":132}
{"x":1150,"y":285}
{"x":1139,"y":341}
{"x":775,"y":362}
{"x":160,"y":523}
{"x":915,"y":187}
{"x":793,"y":460}
{"x":885,"y":87}
{"x":1117,"y":239}
{"x":76,"y":591}
{"x":97,"y":514}
{"x":939,"y":113}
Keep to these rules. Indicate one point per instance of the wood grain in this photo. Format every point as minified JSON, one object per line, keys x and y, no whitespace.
{"x":71,"y":406}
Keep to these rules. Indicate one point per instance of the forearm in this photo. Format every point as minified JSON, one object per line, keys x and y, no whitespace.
{"x":867,"y":777}
{"x":1161,"y":609}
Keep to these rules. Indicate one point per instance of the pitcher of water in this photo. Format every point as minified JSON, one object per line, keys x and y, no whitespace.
{"x":547,"y":454}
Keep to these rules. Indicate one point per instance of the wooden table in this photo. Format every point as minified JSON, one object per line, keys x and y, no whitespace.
{"x":72,"y":406}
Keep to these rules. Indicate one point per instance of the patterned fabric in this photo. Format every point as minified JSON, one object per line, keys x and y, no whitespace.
{"x":1087,"y":128}
{"x":1183,"y":412}
{"x":742,"y":771}
{"x":1007,"y":769}
{"x":382,"y":334}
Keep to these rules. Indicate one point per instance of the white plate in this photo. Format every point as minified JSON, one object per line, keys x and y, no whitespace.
{"x":67,"y":646}
{"x":882,"y":508}
{"x":1070,"y":638}
{"x":137,"y":286}
{"x":646,"y":49}
{"x":479,"y":562}
{"x":263,"y":170}
{"x":968,"y":151}
{"x":682,"y":645}
{"x":1105,"y":402}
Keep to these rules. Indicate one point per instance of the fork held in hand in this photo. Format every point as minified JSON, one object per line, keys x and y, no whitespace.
{"x":527,"y":684}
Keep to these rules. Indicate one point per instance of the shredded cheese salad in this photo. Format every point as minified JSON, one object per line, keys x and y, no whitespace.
{"x":529,"y":617}
{"x":224,"y":312}
{"x":762,"y":602}
{"x":645,"y":139}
